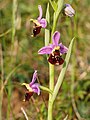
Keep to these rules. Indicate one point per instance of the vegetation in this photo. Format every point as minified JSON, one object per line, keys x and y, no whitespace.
{"x":19,"y":58}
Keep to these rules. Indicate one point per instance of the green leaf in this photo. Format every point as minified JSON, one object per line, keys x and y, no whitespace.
{"x":63,"y":71}
{"x":53,"y":4}
{"x":56,"y":14}
{"x":47,"y":32}
{"x":59,"y":7}
{"x":46,"y":89}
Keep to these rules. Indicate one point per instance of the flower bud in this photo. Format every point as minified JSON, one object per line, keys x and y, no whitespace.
{"x":69,"y":11}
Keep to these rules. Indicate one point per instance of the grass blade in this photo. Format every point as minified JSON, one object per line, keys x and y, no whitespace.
{"x":47,"y":32}
{"x":60,"y":6}
{"x":63,"y":71}
{"x":53,"y":4}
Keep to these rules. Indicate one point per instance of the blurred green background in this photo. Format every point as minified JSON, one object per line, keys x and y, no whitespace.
{"x":76,"y":86}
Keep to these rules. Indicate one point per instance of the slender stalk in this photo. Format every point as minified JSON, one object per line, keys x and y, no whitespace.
{"x":14,"y":9}
{"x":25,"y":115}
{"x":51,"y":67}
{"x":2,"y":78}
{"x":5,"y":33}
{"x":51,"y":87}
{"x":50,"y":107}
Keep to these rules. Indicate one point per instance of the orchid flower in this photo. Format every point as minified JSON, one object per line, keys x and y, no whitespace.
{"x":32,"y":87}
{"x":69,"y":11}
{"x":39,"y":22}
{"x":55,"y":50}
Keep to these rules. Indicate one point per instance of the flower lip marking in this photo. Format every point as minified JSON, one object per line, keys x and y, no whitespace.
{"x":28,"y":95}
{"x":55,"y":58}
{"x":36,"y":30}
{"x":57,"y":48}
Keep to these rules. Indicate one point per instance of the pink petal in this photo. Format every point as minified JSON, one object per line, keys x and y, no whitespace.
{"x":43,"y":23}
{"x":56,"y":38}
{"x":34,"y":78}
{"x":63,"y":49}
{"x":35,"y":88}
{"x":45,"y":50}
{"x":40,"y":12}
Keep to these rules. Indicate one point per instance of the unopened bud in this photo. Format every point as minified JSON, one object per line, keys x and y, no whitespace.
{"x":69,"y":11}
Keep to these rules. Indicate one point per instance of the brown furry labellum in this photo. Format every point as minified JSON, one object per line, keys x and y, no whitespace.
{"x":28,"y":96}
{"x":36,"y":30}
{"x":55,"y":58}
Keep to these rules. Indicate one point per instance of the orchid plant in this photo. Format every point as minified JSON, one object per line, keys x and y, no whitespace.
{"x":53,"y":49}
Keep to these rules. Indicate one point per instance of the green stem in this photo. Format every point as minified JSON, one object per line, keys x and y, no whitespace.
{"x":14,"y":9}
{"x":51,"y":87}
{"x":50,"y":107}
{"x":13,"y":19}
{"x":2,"y":78}
{"x":51,"y":67}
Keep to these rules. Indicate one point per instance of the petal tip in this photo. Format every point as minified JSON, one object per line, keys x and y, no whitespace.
{"x":40,"y":12}
{"x":39,"y":6}
{"x":56,"y":37}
